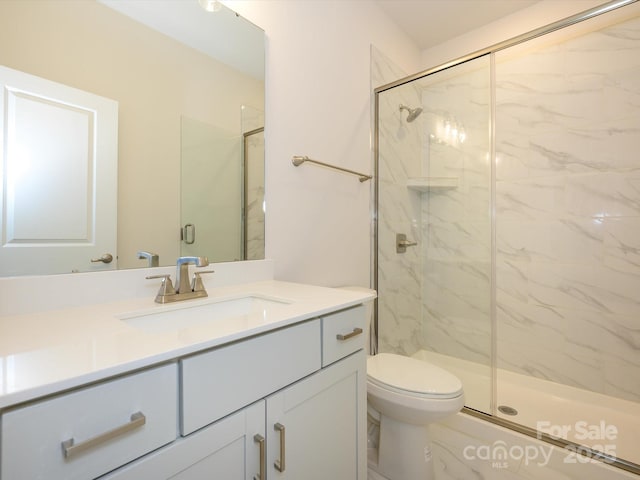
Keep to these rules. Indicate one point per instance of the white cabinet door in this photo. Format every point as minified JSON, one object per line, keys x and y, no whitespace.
{"x":316,"y":427}
{"x":58,"y":171}
{"x":225,"y":450}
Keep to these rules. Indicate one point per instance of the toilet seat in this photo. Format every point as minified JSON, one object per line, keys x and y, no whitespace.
{"x":411,"y":377}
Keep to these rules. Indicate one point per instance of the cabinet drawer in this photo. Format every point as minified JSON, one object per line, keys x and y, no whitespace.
{"x":342,"y":334}
{"x":223,"y":380}
{"x":102,"y":421}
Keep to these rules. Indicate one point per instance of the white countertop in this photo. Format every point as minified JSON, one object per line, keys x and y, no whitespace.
{"x":50,"y":351}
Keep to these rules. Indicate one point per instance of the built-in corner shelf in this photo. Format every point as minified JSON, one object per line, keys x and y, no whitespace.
{"x":427,"y":184}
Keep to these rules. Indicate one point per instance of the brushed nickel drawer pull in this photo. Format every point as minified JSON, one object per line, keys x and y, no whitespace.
{"x":259,"y":439}
{"x":70,"y":449}
{"x":356,"y":331}
{"x":279,"y":464}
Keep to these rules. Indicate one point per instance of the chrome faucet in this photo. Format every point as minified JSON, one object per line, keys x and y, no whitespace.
{"x":185,"y":290}
{"x":182,"y":272}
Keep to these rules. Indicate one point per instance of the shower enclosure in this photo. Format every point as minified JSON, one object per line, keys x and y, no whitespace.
{"x":508,"y":230}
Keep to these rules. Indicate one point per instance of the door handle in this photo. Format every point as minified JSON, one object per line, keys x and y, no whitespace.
{"x":106,"y":258}
{"x":189,"y":228}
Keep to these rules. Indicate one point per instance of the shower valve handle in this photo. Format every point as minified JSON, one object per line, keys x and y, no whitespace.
{"x":402,"y":243}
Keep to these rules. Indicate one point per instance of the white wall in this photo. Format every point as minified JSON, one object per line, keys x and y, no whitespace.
{"x":538,"y":15}
{"x":317,"y":101}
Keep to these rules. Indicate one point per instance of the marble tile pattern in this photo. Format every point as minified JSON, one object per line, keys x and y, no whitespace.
{"x":456,"y":222}
{"x":436,"y":296}
{"x":568,"y":210}
{"x":567,"y":232}
{"x":400,"y":322}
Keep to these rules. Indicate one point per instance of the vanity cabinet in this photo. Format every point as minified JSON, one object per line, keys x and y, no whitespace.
{"x":311,"y":430}
{"x":286,"y":404}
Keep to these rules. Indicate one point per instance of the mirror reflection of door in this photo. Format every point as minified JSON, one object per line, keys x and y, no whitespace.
{"x":211,"y":187}
{"x":58,"y":157}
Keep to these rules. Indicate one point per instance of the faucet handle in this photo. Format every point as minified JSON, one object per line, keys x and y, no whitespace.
{"x":196,"y":284}
{"x":166,"y":287}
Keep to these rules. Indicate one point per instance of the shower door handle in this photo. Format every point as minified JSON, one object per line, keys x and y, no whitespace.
{"x":402,"y":243}
{"x":188,"y":234}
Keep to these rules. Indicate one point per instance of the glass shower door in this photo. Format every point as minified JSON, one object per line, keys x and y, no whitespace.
{"x":434,"y":250}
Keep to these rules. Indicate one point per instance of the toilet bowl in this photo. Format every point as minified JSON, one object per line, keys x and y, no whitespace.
{"x":404,"y":396}
{"x":408,"y":395}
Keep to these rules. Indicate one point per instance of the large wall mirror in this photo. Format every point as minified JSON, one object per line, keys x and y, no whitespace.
{"x":171,"y":92}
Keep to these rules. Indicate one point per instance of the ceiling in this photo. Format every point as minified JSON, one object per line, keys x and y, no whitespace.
{"x":431,"y":22}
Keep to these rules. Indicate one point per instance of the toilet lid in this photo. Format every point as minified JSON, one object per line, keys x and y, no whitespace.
{"x":410,"y":375}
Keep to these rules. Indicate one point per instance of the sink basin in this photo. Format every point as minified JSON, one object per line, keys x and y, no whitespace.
{"x":179,"y":317}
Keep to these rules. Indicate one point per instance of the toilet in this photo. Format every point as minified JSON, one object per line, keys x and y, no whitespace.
{"x":404,"y":396}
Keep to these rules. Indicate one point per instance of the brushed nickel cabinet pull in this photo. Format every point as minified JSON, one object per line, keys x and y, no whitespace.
{"x":356,"y":332}
{"x":259,"y":439}
{"x":70,"y":448}
{"x":280,"y":464}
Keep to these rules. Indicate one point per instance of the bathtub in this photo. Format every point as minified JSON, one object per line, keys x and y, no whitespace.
{"x":604,"y":423}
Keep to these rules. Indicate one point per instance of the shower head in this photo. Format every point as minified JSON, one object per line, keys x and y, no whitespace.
{"x":413,"y":112}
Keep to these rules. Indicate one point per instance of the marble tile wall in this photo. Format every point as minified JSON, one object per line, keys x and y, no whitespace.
{"x":568,"y":210}
{"x":436,"y":295}
{"x":456,"y":221}
{"x":399,"y":276}
{"x":567,"y":233}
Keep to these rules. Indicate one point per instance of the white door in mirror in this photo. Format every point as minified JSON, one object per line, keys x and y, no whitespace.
{"x":58,"y":178}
